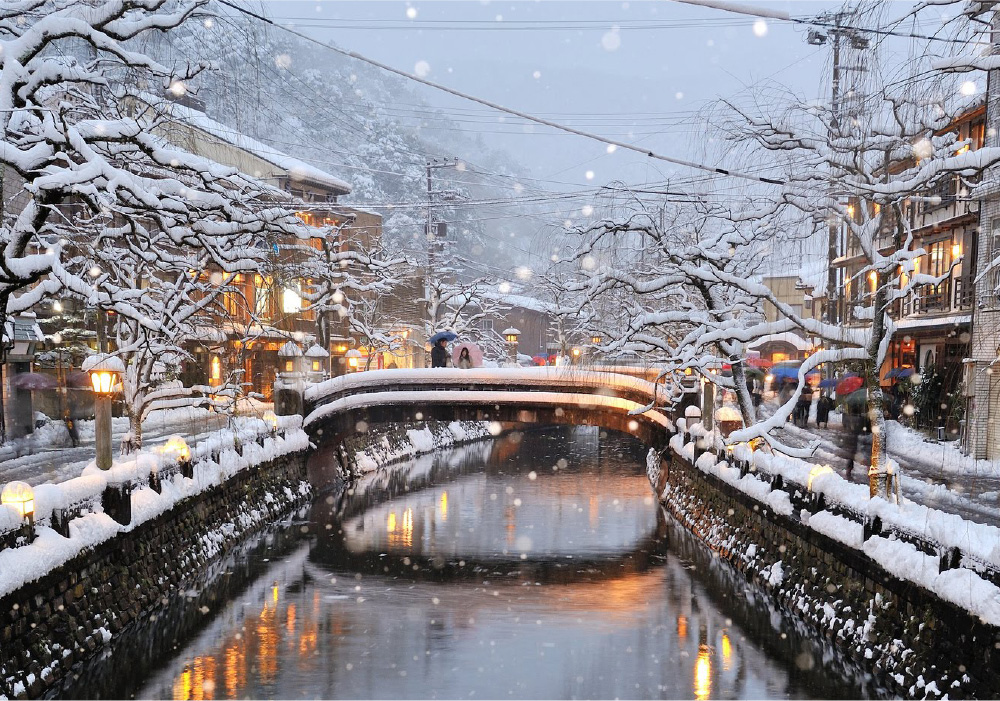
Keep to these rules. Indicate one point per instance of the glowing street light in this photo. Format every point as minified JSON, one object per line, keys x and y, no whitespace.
{"x":21,"y":496}
{"x":105,"y":371}
{"x":511,"y":335}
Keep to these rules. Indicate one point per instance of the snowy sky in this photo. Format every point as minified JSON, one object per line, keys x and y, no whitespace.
{"x":633,"y":71}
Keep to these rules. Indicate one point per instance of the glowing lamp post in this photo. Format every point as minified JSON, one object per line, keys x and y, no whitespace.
{"x":353,"y":358}
{"x":511,"y":335}
{"x":105,"y":371}
{"x":271,"y":419}
{"x":21,"y":496}
{"x":175,"y":450}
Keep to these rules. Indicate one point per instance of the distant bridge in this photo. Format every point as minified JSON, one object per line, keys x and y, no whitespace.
{"x":344,"y":405}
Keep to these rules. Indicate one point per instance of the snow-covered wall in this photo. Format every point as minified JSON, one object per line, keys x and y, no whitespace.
{"x":923,"y":632}
{"x":65,"y":599}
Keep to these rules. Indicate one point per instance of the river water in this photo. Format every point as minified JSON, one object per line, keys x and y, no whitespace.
{"x":537,"y":566}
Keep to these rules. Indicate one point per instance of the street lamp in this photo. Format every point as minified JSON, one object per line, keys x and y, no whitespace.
{"x":511,"y":335}
{"x":596,"y":339}
{"x":21,"y":496}
{"x":176,"y":449}
{"x":105,"y":370}
{"x":353,"y":356}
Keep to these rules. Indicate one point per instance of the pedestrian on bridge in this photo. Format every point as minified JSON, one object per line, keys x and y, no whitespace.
{"x":439,"y":354}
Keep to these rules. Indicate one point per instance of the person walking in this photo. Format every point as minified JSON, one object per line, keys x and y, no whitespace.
{"x":823,"y":407}
{"x":439,"y":354}
{"x":464,"y":359}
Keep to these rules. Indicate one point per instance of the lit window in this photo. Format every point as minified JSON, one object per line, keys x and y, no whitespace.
{"x":216,"y":368}
{"x":291,"y":301}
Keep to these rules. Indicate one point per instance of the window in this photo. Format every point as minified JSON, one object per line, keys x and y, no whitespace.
{"x":291,"y":301}
{"x":263,"y":296}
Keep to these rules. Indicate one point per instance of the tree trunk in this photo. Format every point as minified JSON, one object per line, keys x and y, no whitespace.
{"x":878,"y":482}
{"x":747,"y":410}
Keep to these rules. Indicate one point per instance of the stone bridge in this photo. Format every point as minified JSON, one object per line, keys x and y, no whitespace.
{"x":337,"y":408}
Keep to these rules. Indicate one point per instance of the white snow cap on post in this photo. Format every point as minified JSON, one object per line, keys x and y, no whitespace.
{"x":317,"y":351}
{"x":692,"y":412}
{"x":290,"y":350}
{"x":511,"y":332}
{"x":103,"y":362}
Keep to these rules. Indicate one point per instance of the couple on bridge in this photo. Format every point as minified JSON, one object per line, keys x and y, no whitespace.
{"x":440,"y":356}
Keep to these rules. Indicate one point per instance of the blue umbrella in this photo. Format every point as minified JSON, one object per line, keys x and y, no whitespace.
{"x":446,"y":335}
{"x":898,"y":373}
{"x":828,"y":382}
{"x":788,"y":372}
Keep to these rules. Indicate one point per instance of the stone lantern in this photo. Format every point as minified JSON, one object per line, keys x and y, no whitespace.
{"x":289,"y":384}
{"x":316,"y":359}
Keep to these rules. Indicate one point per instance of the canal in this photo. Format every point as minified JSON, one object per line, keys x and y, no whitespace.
{"x":533,"y":566}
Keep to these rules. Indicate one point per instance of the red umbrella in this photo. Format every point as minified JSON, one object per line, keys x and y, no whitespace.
{"x":850,"y":384}
{"x":538,"y":359}
{"x":759,"y":363}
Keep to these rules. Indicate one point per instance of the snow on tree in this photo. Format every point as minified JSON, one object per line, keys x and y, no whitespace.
{"x":84,"y":160}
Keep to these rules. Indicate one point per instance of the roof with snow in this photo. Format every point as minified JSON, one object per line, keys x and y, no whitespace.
{"x":298,"y":170}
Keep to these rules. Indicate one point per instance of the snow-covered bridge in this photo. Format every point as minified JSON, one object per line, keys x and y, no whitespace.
{"x":544,"y":395}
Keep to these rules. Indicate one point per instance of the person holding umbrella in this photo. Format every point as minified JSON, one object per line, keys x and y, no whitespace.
{"x":439,"y":354}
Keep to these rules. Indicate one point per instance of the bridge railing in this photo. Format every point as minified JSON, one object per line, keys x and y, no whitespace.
{"x":579,"y":380}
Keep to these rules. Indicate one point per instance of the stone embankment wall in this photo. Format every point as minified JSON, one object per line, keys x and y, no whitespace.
{"x":49,"y":628}
{"x":386,"y":444}
{"x":914,"y":644}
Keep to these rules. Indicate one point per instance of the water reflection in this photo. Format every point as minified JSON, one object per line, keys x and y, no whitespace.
{"x":424,"y":594}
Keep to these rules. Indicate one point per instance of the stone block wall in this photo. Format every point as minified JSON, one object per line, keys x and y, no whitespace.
{"x":50,"y":627}
{"x":911,"y":641}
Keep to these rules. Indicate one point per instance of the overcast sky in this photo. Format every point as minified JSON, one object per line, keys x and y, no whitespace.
{"x":632,"y":71}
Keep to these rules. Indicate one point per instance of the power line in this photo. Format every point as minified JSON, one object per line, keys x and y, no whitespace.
{"x":524,"y":115}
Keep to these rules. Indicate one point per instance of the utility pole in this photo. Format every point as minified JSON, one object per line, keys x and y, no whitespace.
{"x":431,"y":237}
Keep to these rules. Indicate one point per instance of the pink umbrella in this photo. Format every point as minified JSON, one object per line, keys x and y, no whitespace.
{"x":475,"y":354}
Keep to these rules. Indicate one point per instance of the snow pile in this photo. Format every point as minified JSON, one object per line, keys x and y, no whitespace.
{"x":216,"y":460}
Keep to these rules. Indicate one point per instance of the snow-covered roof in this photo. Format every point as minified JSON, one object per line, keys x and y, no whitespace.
{"x":297,"y":170}
{"x":290,"y":350}
{"x":936,"y":322}
{"x":317,"y":351}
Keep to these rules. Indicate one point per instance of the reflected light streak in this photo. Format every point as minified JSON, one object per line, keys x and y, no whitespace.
{"x":682,"y":626}
{"x":444,"y":506}
{"x":703,"y":674}
{"x":390,"y":524}
{"x":727,"y":652}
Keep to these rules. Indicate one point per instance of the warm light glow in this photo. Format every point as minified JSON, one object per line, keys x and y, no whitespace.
{"x":850,"y":210}
{"x":341,"y":349}
{"x":353,"y":362}
{"x":21,"y":496}
{"x":291,"y":301}
{"x":315,"y":366}
{"x":57,"y":306}
{"x":177,"y":448}
{"x":390,"y":524}
{"x":576,"y":351}
{"x":511,"y":338}
{"x":687,"y":371}
{"x":444,"y":506}
{"x":274,"y":593}
{"x":271,"y":419}
{"x":727,"y":652}
{"x":816,"y":472}
{"x":956,"y":250}
{"x":289,"y":365}
{"x":682,"y":626}
{"x":216,"y":368}
{"x":103,"y":381}
{"x":769,"y":378}
{"x":703,"y":674}
{"x":595,"y":339}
